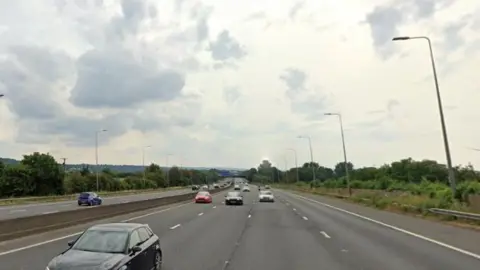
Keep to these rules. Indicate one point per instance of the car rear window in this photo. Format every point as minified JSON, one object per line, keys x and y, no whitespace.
{"x":84,"y":195}
{"x":203,"y":194}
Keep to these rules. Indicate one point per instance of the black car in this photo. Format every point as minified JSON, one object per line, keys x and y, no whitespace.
{"x":114,"y":246}
{"x":195,"y":187}
{"x":233,"y":198}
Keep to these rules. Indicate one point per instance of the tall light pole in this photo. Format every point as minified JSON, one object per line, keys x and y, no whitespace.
{"x":167,"y":169}
{"x":143,"y":163}
{"x":451,"y":173}
{"x":286,"y":165}
{"x":311,"y":153}
{"x":345,"y":160}
{"x":96,"y":154}
{"x":296,"y":161}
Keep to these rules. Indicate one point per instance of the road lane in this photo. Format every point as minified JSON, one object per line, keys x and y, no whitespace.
{"x":15,"y":211}
{"x":372,"y":246}
{"x":289,"y":234}
{"x":161,"y":224}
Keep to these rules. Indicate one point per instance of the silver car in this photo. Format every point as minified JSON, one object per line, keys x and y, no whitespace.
{"x":266,"y":196}
{"x":234,"y":198}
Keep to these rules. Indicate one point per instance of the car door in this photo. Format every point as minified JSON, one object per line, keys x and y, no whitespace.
{"x":137,"y":260}
{"x":148,"y":247}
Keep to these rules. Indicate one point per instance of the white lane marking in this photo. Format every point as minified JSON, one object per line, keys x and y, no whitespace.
{"x":325,"y":234}
{"x":174,"y":227}
{"x":287,"y":204}
{"x":125,"y":201}
{"x":294,"y":209}
{"x":305,"y":218}
{"x":64,"y":205}
{"x":17,"y":211}
{"x":419,"y":236}
{"x":214,"y":207}
{"x":50,"y":212}
{"x":249,"y":216}
{"x":200,"y":214}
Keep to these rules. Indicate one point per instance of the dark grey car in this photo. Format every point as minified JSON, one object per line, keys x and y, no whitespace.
{"x":115,"y":246}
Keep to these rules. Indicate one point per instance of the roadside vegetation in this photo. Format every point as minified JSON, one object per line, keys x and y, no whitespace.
{"x":406,"y":185}
{"x":39,"y":175}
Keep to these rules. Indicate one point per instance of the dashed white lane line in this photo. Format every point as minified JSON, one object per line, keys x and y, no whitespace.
{"x":17,"y":211}
{"x":294,"y":209}
{"x":249,"y":216}
{"x":200,"y":214}
{"x":214,"y":207}
{"x":395,"y":228}
{"x":174,"y":227}
{"x":305,"y":218}
{"x":50,"y":212}
{"x":325,"y":234}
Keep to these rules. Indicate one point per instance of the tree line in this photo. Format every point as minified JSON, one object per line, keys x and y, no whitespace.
{"x":39,"y":174}
{"x":416,"y":176}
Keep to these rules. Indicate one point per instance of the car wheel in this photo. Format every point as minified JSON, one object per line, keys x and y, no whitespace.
{"x":227,"y":203}
{"x":89,"y":203}
{"x":158,"y":261}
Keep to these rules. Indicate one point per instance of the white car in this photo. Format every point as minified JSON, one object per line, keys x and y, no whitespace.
{"x":246,"y":189}
{"x":266,"y":196}
{"x":236,"y":187}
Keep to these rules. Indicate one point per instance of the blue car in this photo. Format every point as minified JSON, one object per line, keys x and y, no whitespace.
{"x":89,"y":198}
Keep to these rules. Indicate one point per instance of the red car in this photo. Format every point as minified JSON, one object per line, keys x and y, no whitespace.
{"x":203,"y":197}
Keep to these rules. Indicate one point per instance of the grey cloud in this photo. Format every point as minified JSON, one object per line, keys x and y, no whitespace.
{"x":231,"y":94}
{"x":115,"y":79}
{"x":452,"y":34}
{"x":260,"y":15}
{"x":385,"y":20}
{"x":311,"y":104}
{"x":226,"y":47}
{"x":29,"y":75}
{"x":199,"y":32}
{"x":294,"y":79}
{"x":295,"y":9}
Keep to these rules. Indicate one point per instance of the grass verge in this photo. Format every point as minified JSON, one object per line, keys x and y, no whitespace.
{"x":398,"y":202}
{"x":46,"y":199}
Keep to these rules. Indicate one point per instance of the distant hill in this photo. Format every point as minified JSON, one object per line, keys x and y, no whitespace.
{"x":121,"y":168}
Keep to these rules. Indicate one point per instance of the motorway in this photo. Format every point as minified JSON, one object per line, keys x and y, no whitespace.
{"x":24,"y":210}
{"x":293,"y":233}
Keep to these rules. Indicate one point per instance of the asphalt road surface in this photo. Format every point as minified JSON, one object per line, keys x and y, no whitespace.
{"x":293,"y":233}
{"x":24,"y":210}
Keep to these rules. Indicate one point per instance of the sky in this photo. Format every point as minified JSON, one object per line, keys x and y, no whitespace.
{"x":228,"y":83}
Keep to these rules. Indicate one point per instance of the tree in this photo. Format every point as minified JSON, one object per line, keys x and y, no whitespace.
{"x":45,"y":173}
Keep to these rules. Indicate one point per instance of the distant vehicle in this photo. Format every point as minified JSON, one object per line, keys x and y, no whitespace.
{"x":236,"y":187}
{"x":112,"y":246}
{"x":266,"y":196}
{"x":195,"y":187}
{"x":216,"y":186}
{"x":267,"y":187}
{"x":204,"y":187}
{"x":233,"y":198}
{"x":246,"y":189}
{"x":203,"y":197}
{"x":89,"y":198}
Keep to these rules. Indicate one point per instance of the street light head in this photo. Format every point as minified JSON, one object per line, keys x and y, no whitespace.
{"x":400,"y":38}
{"x":2,"y":95}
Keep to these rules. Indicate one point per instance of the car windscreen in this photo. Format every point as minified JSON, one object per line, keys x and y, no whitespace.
{"x":85,"y":195}
{"x":233,"y":194}
{"x":102,"y":241}
{"x":265,"y":193}
{"x":203,"y":194}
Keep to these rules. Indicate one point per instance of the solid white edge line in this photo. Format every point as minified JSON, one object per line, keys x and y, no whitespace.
{"x":249,"y":216}
{"x":305,"y":218}
{"x":200,"y":214}
{"x":77,"y":233}
{"x":433,"y":241}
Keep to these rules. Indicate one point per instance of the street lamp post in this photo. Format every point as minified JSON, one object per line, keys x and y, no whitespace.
{"x":296,"y":162}
{"x":311,"y":153}
{"x":345,"y":160}
{"x":143,"y":164}
{"x":96,"y":155}
{"x":451,"y":173}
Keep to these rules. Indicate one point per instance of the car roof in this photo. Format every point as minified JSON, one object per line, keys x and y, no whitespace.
{"x":123,"y":226}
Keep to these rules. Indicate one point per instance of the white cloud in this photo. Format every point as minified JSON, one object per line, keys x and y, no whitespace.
{"x":221,"y":84}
